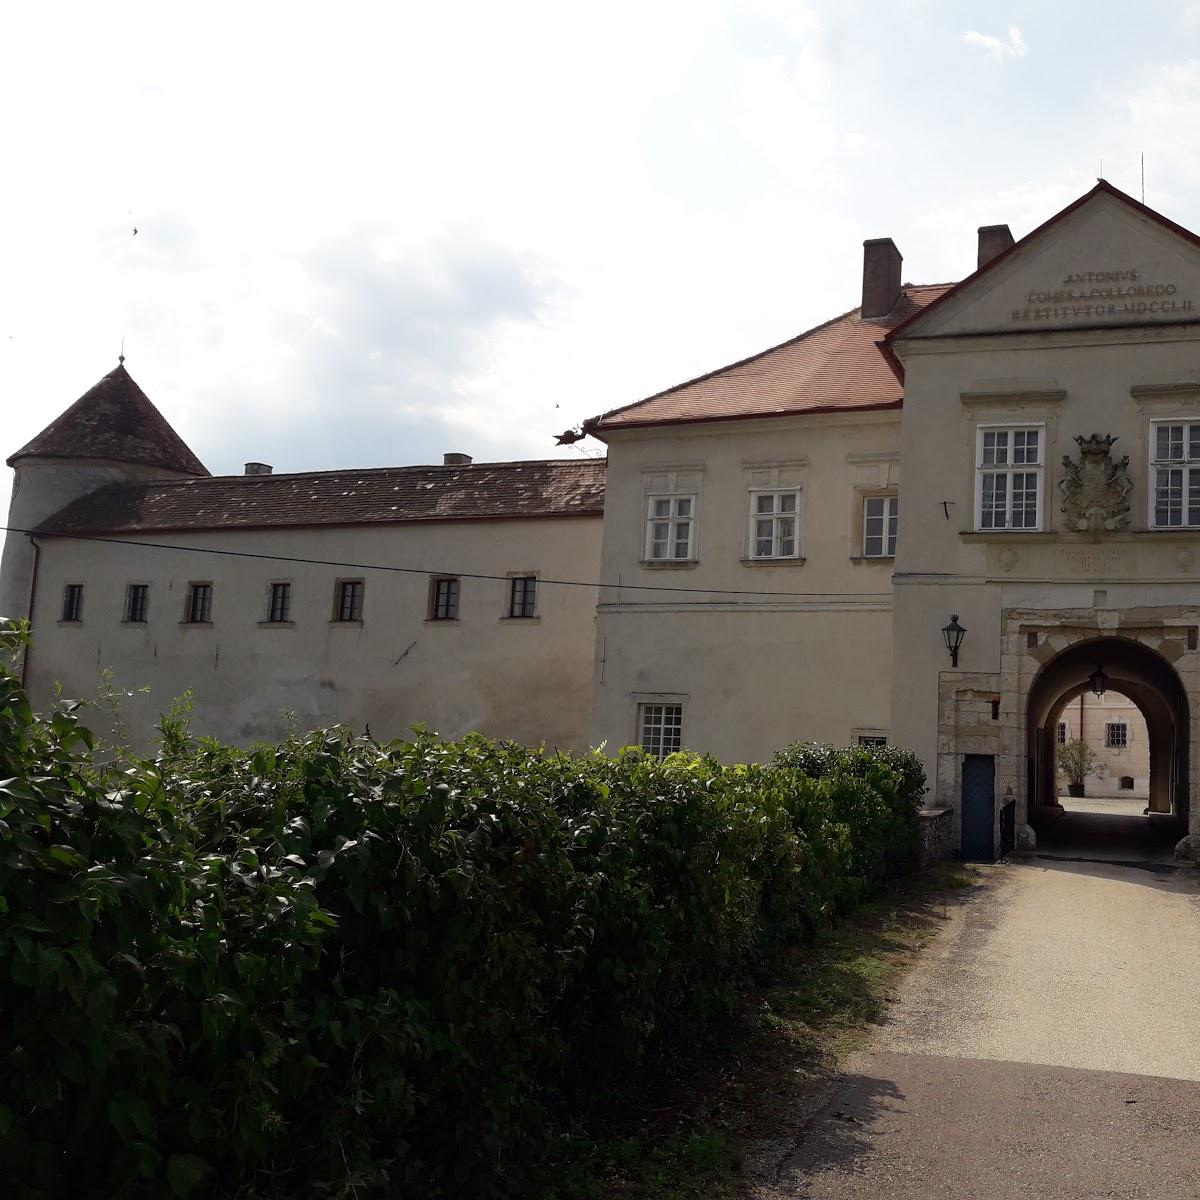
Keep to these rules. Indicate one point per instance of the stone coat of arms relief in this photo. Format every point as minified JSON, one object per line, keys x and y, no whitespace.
{"x":1096,"y":489}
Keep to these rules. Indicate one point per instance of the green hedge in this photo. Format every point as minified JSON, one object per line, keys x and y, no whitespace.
{"x":334,"y":966}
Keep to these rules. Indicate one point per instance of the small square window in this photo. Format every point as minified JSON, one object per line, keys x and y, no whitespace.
{"x":870,"y":741}
{"x":137,"y":603}
{"x":279,"y":608}
{"x":72,"y":609}
{"x":522,"y":601}
{"x":1116,"y":735}
{"x":348,"y":604}
{"x":660,"y":728}
{"x":199,"y":604}
{"x":443,"y":599}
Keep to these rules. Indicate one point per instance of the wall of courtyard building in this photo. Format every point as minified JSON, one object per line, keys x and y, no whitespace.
{"x":752,"y":672}
{"x":524,"y":678}
{"x":1114,"y":729}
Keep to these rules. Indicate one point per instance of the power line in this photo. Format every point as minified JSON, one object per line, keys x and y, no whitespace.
{"x":357,"y":566}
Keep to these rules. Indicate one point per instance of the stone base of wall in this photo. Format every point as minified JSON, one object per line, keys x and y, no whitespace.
{"x":936,"y":827}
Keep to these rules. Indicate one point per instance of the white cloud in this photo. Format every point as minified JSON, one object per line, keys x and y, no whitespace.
{"x":996,"y":48}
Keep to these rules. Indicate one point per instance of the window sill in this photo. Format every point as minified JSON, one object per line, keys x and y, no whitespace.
{"x":356,"y":624}
{"x":873,"y":558}
{"x":669,"y":564}
{"x":283,"y":624}
{"x":134,"y":624}
{"x":443,"y":620}
{"x":797,"y":561}
{"x":195,"y":624}
{"x":520,"y":620}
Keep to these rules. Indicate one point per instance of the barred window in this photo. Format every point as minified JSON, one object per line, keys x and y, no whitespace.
{"x":660,"y":728}
{"x":870,"y":741}
{"x":279,"y":609}
{"x":348,"y":603}
{"x":1062,"y":733}
{"x":522,"y":601}
{"x":199,"y":604}
{"x":1116,"y":735}
{"x":72,"y":609}
{"x":137,"y":603}
{"x":443,"y":599}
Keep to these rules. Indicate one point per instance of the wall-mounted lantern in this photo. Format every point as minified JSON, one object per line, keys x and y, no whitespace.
{"x":1098,"y":681}
{"x":954,"y":634}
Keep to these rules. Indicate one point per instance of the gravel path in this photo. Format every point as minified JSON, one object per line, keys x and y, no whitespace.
{"x":1046,"y":1045}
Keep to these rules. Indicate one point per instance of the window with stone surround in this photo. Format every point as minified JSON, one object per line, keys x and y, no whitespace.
{"x":670,"y":528}
{"x":1175,"y":473}
{"x":881,"y":523}
{"x":1116,"y":735}
{"x":1009,"y":465}
{"x":660,"y":728}
{"x":774,"y":524}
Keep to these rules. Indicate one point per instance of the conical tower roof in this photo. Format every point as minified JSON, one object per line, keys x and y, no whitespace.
{"x":114,"y":420}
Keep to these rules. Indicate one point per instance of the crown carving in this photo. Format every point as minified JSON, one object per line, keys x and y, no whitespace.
{"x":1095,"y":444}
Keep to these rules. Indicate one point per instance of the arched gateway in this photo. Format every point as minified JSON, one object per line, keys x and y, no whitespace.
{"x":1096,"y":665}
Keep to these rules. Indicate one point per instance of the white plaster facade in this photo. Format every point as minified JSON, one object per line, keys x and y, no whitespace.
{"x":699,"y":637}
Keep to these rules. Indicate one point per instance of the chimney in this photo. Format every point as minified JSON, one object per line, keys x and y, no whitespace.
{"x":881,"y":277}
{"x":258,"y":468}
{"x":993,"y":240}
{"x":451,"y":459}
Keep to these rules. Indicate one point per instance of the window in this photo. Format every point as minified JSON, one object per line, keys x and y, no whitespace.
{"x":1116,"y":735}
{"x":660,"y":728}
{"x":348,"y":602}
{"x":1175,"y":469}
{"x":869,"y":741}
{"x":1009,"y":467}
{"x":443,"y":600}
{"x":773,"y":524}
{"x":137,"y":603}
{"x":522,"y":601}
{"x":199,"y":604}
{"x":881,"y":520}
{"x":1062,"y":733}
{"x":72,"y":609}
{"x":279,"y":608}
{"x":670,"y":521}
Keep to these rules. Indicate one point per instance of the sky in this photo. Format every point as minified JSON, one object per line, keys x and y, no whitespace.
{"x":367,"y":234}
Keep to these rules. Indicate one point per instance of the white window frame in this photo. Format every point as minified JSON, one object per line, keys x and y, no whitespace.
{"x":890,"y":516}
{"x":1109,"y":728}
{"x":775,"y":516}
{"x":657,"y":709}
{"x":673,"y":520}
{"x":1008,"y":470}
{"x":1187,"y":463}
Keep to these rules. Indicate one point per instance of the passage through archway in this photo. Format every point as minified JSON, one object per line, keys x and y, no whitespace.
{"x":1122,"y":667}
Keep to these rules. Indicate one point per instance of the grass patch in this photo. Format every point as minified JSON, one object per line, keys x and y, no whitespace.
{"x":711,"y":1106}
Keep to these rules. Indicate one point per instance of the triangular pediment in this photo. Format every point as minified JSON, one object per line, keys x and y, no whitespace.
{"x":1105,"y":260}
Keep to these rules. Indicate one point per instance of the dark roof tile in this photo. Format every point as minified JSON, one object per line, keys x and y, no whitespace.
{"x":114,"y":420}
{"x":482,"y":491}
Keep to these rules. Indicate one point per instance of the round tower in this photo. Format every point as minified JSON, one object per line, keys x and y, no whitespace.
{"x":111,"y":434}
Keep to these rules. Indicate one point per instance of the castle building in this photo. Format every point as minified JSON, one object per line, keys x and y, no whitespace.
{"x":937,"y":520}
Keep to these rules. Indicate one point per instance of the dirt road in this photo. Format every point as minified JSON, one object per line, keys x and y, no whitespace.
{"x":1047,"y":1045}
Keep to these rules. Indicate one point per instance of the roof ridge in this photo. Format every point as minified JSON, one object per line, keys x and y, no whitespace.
{"x":515,"y":462}
{"x":594,"y":422}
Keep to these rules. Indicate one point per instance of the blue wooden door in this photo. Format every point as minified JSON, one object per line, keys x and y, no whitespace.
{"x":979,"y":807}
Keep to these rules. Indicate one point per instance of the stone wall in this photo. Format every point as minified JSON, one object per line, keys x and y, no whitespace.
{"x":936,"y":827}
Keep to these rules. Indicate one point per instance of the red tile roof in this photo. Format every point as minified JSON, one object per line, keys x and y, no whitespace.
{"x":114,"y":420}
{"x":482,"y":491}
{"x":833,"y":367}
